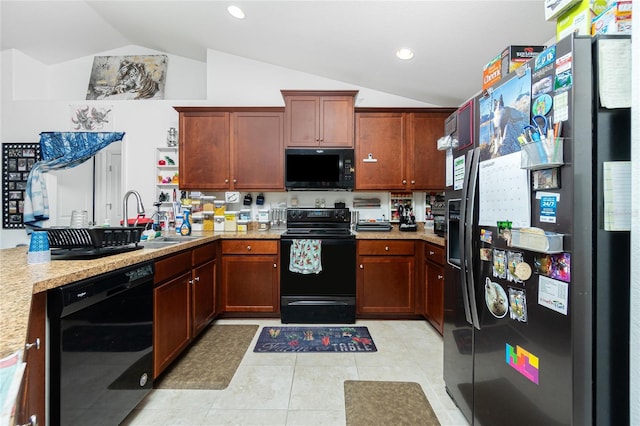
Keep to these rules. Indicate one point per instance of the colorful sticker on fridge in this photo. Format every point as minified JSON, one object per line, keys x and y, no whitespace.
{"x":517,"y":304}
{"x":545,"y":57}
{"x":548,"y":208}
{"x":486,"y":236}
{"x":499,"y":263}
{"x":523,"y":362}
{"x":485,"y":254}
{"x":556,"y":266}
{"x":553,"y":294}
{"x":513,"y":259}
{"x":496,"y":298}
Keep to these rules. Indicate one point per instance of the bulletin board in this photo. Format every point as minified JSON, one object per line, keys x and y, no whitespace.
{"x":17,"y":161}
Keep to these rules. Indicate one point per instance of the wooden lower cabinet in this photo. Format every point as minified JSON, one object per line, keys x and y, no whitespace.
{"x":184,"y":300}
{"x":434,"y":283}
{"x":385,"y":278}
{"x":32,"y":396}
{"x":250,"y":276}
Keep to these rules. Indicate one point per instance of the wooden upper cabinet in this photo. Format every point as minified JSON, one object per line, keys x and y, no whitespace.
{"x":257,"y":150}
{"x":403,"y":149}
{"x":319,"y":118}
{"x":425,"y":164}
{"x":204,"y":149}
{"x":380,"y":150}
{"x":227,"y":148}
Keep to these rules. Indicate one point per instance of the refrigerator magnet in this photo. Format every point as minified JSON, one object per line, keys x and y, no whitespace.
{"x":523,"y":271}
{"x":485,"y":254}
{"x":499,"y":264}
{"x":517,"y":304}
{"x":553,"y":294}
{"x":496,"y":298}
{"x":513,"y":259}
{"x":486,"y":236}
{"x":548,"y":207}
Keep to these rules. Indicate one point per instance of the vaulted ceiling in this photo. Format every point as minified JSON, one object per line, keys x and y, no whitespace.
{"x":348,"y":41}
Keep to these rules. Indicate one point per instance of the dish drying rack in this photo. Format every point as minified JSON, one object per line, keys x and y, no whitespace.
{"x":93,"y":238}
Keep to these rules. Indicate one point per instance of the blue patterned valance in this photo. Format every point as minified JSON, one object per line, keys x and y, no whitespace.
{"x":59,"y":150}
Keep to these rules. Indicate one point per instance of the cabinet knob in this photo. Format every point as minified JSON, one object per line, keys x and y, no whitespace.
{"x":275,"y":266}
{"x":33,"y":421}
{"x":413,"y":182}
{"x":235,"y":181}
{"x":35,"y":344}
{"x":361,"y":266}
{"x":226,"y":181}
{"x":404,"y":181}
{"x":248,"y":248}
{"x":386,"y":248}
{"x":197,"y":279}
{"x":440,"y":277}
{"x":431,"y":253}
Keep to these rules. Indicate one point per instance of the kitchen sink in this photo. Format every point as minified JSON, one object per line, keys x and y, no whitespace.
{"x":166,"y":241}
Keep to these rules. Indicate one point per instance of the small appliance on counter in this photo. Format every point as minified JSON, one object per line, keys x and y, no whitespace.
{"x":373,"y":226}
{"x":407,"y":219}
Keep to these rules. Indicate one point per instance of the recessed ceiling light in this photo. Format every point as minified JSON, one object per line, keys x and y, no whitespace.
{"x":236,"y":12}
{"x":404,"y":53}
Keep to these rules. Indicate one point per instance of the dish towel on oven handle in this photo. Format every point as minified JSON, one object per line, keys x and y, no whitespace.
{"x":305,"y":257}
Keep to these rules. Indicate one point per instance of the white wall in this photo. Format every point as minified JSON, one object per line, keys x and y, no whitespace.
{"x":634,"y":349}
{"x":37,"y":98}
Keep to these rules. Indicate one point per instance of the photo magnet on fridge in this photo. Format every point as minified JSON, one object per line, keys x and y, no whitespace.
{"x":517,"y":304}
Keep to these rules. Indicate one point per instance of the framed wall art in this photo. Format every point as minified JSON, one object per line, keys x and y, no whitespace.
{"x":17,"y":161}
{"x":127,"y":77}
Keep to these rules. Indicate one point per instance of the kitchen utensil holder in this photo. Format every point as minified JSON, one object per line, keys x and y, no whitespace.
{"x":93,"y":237}
{"x":542,"y":155}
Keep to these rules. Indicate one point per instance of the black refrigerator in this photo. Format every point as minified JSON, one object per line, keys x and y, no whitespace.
{"x":536,"y":328}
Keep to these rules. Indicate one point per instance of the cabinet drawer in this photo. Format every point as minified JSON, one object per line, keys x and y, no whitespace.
{"x":172,"y":266}
{"x":434,"y":253}
{"x":250,"y":247}
{"x":204,"y":253}
{"x":386,"y":247}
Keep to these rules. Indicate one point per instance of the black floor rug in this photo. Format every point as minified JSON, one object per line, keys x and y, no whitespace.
{"x":315,"y":339}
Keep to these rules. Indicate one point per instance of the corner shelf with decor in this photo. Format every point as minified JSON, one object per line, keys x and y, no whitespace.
{"x":167,"y":174}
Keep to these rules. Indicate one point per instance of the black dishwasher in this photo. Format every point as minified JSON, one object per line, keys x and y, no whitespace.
{"x":100,"y":356}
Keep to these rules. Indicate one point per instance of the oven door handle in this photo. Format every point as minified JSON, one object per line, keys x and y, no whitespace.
{"x":316,"y":302}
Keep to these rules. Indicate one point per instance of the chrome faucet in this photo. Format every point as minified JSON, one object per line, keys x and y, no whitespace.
{"x":125,"y":208}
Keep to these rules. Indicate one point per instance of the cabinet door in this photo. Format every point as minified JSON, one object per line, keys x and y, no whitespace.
{"x":435,"y":295}
{"x":250,"y":283}
{"x":302,"y":115}
{"x":171,"y":321}
{"x":385,"y":284}
{"x":204,"y":150}
{"x":203,"y":296}
{"x":32,"y":394}
{"x":382,"y":136}
{"x":336,"y":121}
{"x":257,"y":146}
{"x":426,"y":165}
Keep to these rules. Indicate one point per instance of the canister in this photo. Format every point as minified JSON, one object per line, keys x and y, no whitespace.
{"x":218,"y":223}
{"x":231,"y":221}
{"x":243,"y":225}
{"x":219,"y":208}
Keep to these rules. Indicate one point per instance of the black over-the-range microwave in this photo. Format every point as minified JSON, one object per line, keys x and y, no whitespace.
{"x":319,"y":169}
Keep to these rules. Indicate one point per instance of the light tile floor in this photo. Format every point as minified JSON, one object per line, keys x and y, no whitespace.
{"x":307,"y":389}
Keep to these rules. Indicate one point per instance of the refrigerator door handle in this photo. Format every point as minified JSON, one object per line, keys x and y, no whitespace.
{"x":462,"y":238}
{"x":468,"y":247}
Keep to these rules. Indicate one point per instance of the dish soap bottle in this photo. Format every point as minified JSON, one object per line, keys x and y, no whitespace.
{"x":185,"y":228}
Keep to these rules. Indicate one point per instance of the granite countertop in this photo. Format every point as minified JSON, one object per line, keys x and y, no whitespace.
{"x":21,"y":280}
